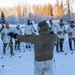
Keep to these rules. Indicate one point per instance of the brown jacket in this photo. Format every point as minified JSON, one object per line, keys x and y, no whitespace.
{"x":44,"y":44}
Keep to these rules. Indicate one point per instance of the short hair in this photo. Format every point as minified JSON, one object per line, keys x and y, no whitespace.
{"x":72,"y":21}
{"x":61,"y":20}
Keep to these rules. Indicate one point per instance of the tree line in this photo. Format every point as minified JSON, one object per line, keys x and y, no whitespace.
{"x":20,"y":13}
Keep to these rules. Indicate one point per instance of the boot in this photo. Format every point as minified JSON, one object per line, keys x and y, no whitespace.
{"x":26,"y":47}
{"x":29,"y":46}
{"x":18,"y":48}
{"x":12,"y":54}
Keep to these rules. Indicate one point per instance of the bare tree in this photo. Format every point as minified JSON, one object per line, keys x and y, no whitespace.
{"x":69,"y":9}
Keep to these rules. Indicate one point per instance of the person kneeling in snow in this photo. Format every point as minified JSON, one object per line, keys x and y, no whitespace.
{"x":44,"y":44}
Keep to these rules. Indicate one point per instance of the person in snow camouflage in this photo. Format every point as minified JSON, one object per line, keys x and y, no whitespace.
{"x":61,"y":31}
{"x":18,"y":31}
{"x":52,"y":26}
{"x":6,"y":39}
{"x":71,"y":34}
{"x":43,"y":46}
{"x":29,"y":30}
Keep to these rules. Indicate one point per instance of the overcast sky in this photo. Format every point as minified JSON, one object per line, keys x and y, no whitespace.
{"x":10,"y":3}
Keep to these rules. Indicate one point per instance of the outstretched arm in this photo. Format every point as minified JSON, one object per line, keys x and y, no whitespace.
{"x":26,"y":38}
{"x":23,"y":38}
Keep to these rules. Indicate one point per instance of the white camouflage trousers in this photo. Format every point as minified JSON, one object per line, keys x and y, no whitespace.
{"x":43,"y":68}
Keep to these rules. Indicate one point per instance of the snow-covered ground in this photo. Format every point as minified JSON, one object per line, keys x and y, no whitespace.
{"x":22,"y":63}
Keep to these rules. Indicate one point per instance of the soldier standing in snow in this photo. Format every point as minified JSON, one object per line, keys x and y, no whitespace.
{"x":18,"y":31}
{"x":44,"y":45}
{"x":71,"y":34}
{"x":61,"y":31}
{"x":7,"y":39}
{"x":29,"y":30}
{"x":52,"y":26}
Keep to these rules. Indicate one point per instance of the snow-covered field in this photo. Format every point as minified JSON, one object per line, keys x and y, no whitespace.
{"x":22,"y":63}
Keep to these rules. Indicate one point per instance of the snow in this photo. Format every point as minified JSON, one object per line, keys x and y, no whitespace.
{"x":22,"y":63}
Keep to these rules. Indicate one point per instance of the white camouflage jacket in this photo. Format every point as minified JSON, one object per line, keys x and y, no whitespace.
{"x":70,"y":29}
{"x":18,"y":31}
{"x":6,"y":38}
{"x":59,"y":28}
{"x":29,"y":29}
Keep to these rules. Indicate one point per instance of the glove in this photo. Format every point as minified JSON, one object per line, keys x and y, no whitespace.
{"x":3,"y":34}
{"x":65,"y":31}
{"x":59,"y":32}
{"x":12,"y":35}
{"x":70,"y":33}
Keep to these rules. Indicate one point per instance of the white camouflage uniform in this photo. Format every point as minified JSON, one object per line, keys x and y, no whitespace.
{"x":29,"y":30}
{"x":70,"y":29}
{"x":59,"y":28}
{"x":6,"y":38}
{"x":18,"y":31}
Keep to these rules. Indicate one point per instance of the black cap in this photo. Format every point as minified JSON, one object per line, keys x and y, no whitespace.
{"x":72,"y":21}
{"x":42,"y":24}
{"x":61,"y":20}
